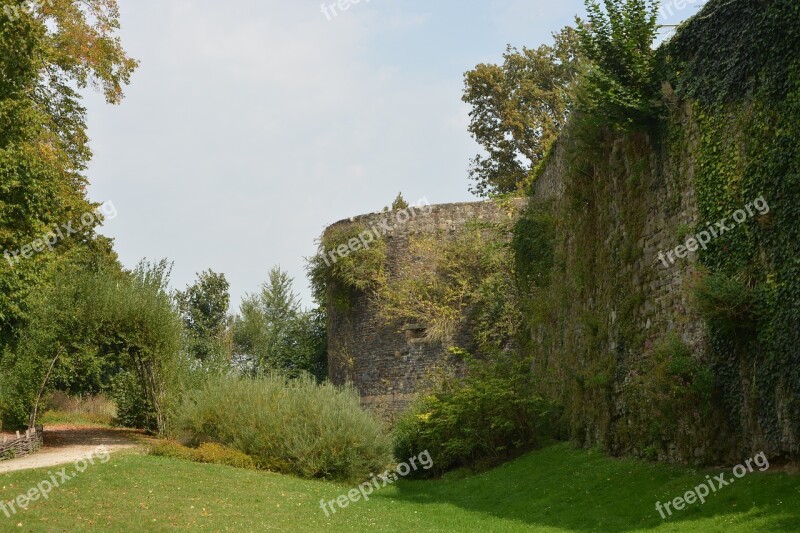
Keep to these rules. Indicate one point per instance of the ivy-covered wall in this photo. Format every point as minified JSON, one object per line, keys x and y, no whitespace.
{"x":697,"y":361}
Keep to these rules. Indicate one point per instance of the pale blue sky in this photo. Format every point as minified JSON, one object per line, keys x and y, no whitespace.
{"x":253,"y":124}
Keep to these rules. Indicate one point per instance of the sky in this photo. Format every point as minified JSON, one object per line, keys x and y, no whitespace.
{"x":251,"y":125}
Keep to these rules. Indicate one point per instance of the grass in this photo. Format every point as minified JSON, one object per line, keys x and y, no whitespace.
{"x":79,"y":411}
{"x":557,"y":488}
{"x":58,"y":418}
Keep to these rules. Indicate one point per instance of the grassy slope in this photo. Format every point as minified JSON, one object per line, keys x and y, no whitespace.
{"x":555,"y":489}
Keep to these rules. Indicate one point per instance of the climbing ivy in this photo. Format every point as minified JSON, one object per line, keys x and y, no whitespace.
{"x":729,"y":131}
{"x":351,"y":258}
{"x":737,"y":62}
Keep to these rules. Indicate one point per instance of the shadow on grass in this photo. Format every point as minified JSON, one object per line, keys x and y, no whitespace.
{"x":579,"y":490}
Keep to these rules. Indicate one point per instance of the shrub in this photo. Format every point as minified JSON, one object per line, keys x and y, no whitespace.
{"x":726,"y":303}
{"x":618,"y":40}
{"x":208,"y":453}
{"x":169,"y":448}
{"x":133,"y":408}
{"x":296,"y":426}
{"x":489,"y":415}
{"x":670,"y":390}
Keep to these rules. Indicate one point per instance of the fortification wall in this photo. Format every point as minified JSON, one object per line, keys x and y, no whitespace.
{"x":390,"y":362}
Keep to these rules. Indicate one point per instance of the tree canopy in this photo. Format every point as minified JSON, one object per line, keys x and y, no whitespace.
{"x":518,"y":109}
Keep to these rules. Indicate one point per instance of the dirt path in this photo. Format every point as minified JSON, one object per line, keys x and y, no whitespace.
{"x":65,"y":444}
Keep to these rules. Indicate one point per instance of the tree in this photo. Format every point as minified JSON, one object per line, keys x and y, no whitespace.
{"x":47,"y":50}
{"x":620,"y":84}
{"x":275,"y":332}
{"x":204,"y":309}
{"x":399,"y":203}
{"x":518,"y":110}
{"x":91,"y":327}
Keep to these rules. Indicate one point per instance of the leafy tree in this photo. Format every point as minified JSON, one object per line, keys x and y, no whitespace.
{"x":48,"y":51}
{"x":277,"y":333}
{"x":518,"y":109}
{"x":204,"y":308}
{"x":86,"y":329}
{"x":619,"y":43}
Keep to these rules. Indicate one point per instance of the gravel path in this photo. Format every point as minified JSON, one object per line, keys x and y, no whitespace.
{"x":66,"y":444}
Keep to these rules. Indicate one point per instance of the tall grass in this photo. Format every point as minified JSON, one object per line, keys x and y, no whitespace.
{"x":89,"y":409}
{"x":295,"y":426}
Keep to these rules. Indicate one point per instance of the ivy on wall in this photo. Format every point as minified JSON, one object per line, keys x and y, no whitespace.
{"x":735,"y":68}
{"x":738,"y":63}
{"x":347,"y":261}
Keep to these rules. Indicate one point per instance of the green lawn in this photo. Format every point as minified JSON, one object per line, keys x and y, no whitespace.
{"x":555,"y":489}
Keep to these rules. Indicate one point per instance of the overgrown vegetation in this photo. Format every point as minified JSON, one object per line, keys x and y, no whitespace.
{"x":335,"y":278}
{"x":294,"y":426}
{"x":714,"y":110}
{"x":619,"y":84}
{"x":736,"y":63}
{"x":464,"y":280}
{"x":490,"y":414}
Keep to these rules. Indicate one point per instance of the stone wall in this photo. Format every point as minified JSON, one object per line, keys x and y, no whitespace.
{"x":390,"y":362}
{"x":614,"y":300}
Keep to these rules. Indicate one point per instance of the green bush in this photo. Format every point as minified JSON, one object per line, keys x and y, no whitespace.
{"x":618,"y":40}
{"x":295,"y":426}
{"x":726,"y":303}
{"x":169,"y":448}
{"x":488,"y":416}
{"x":133,"y":408}
{"x":209,"y":453}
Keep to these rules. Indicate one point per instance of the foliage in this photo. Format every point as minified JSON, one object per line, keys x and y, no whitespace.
{"x":399,"y":203}
{"x":103,"y":322}
{"x":533,"y":245}
{"x":204,"y":308}
{"x":620,"y":83}
{"x":277,"y":333}
{"x":360,"y":270}
{"x":518,"y":109}
{"x":45,"y":53}
{"x":89,"y":409}
{"x":737,"y":63}
{"x":726,"y":303}
{"x":208,"y":453}
{"x":490,"y":414}
{"x":671,"y":391}
{"x":468,"y":278}
{"x":728,"y":134}
{"x":134,"y":408}
{"x":750,"y":51}
{"x":295,"y":426}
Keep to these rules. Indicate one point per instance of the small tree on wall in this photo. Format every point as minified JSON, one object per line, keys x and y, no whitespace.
{"x":618,"y":41}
